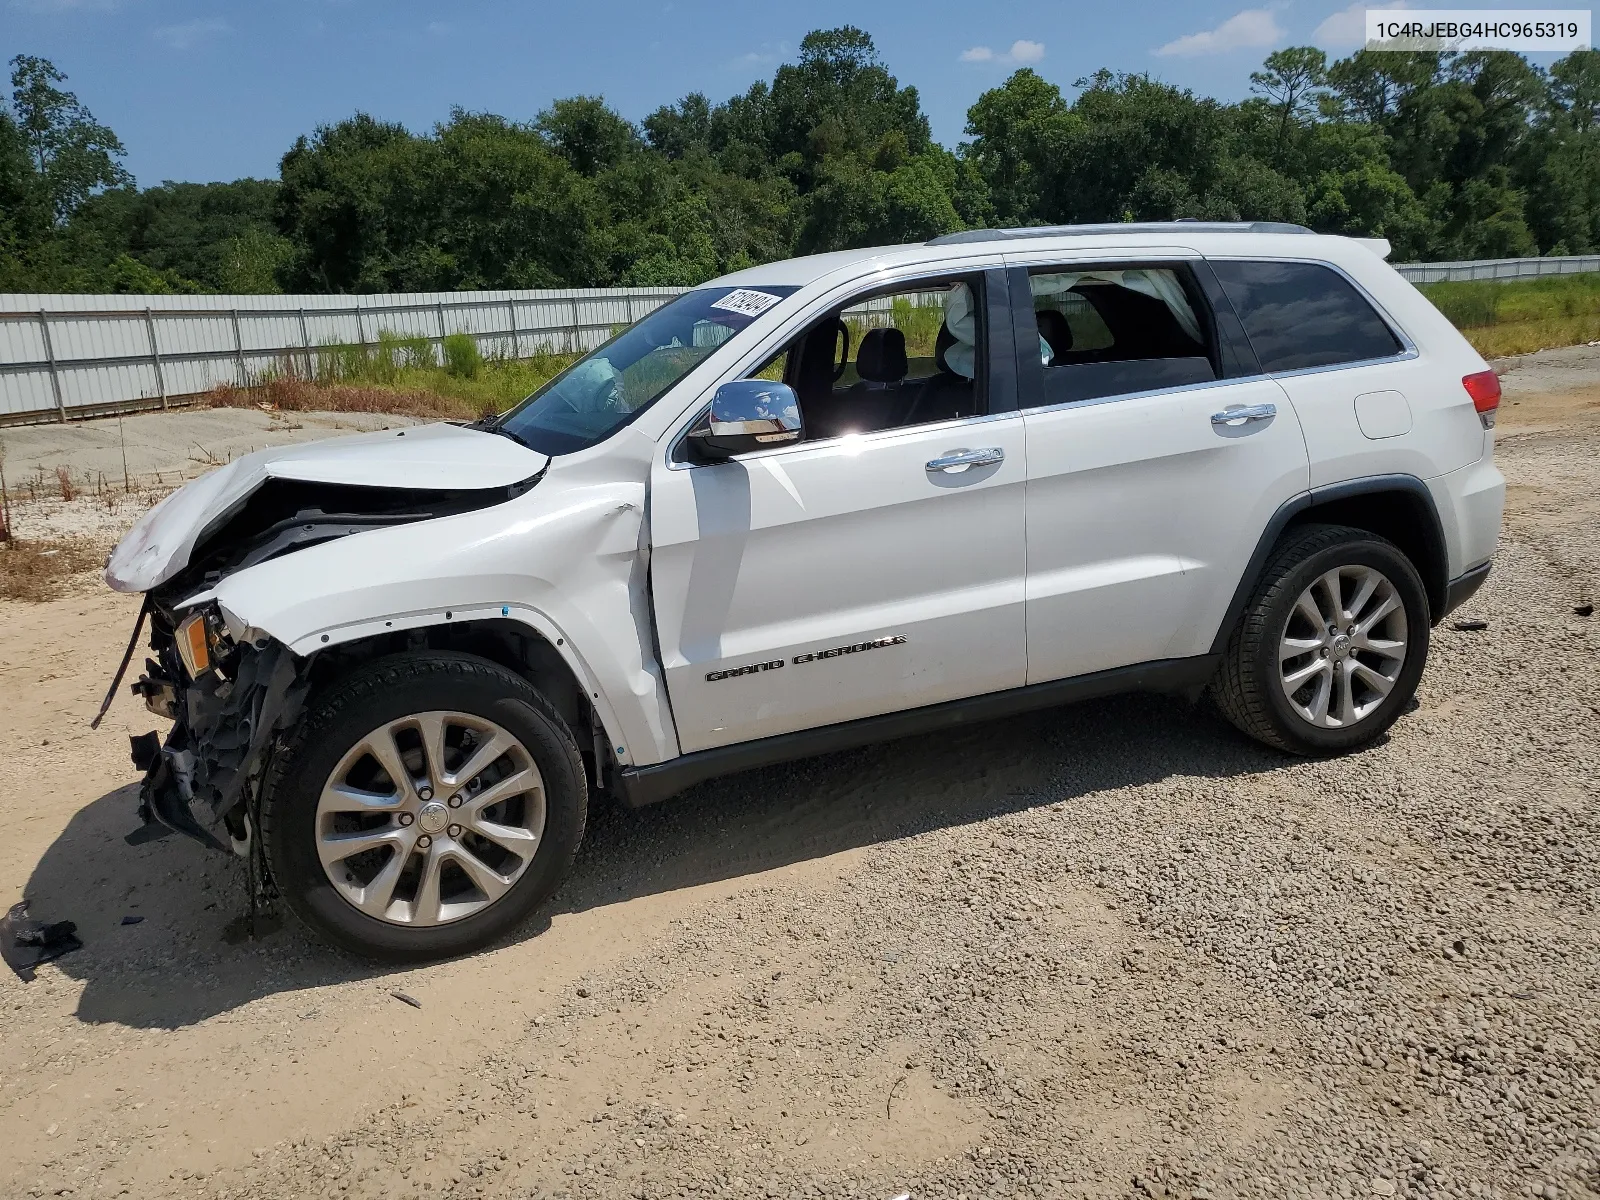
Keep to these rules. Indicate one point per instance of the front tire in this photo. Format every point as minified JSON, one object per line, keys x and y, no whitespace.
{"x":1331,"y":646}
{"x":424,"y":807}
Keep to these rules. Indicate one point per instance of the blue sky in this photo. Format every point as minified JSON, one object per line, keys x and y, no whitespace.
{"x":202,"y":91}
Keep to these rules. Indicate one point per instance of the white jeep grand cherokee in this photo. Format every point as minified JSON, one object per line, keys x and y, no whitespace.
{"x":811,"y":505}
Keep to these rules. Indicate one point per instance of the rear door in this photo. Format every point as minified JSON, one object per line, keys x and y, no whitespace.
{"x":1157,"y":453}
{"x":854,"y":573}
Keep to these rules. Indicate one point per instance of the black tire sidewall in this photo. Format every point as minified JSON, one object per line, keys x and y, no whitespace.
{"x":383,"y":692}
{"x":1300,"y":734}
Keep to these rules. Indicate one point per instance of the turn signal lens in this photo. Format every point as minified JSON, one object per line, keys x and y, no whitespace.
{"x":194,"y":646}
{"x":1484,"y":388}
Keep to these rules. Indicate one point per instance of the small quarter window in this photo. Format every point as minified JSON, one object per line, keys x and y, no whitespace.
{"x":1302,"y":315}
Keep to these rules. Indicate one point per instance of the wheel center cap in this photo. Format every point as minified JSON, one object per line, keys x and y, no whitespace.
{"x":1341,"y":645}
{"x":433,"y":817}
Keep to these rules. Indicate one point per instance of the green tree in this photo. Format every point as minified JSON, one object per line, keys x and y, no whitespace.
{"x":72,"y":154}
{"x":1292,"y":81}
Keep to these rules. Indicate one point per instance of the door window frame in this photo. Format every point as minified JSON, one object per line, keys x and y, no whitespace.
{"x":1227,"y":348}
{"x":1000,"y":391}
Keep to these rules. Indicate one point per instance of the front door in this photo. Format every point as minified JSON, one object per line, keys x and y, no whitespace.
{"x":866,"y":570}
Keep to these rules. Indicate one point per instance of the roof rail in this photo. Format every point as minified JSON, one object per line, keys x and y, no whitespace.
{"x":1182,"y":225}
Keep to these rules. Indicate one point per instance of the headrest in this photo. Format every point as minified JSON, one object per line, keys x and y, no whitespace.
{"x":882,"y":356}
{"x":942,"y":342}
{"x":1055,"y":330}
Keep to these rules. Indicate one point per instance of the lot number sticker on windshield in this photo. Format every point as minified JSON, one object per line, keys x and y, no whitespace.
{"x":746,"y":302}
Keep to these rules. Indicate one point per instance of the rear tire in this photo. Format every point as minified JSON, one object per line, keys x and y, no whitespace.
{"x":426,"y":805}
{"x":1331,"y":646}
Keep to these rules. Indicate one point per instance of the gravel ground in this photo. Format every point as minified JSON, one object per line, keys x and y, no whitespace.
{"x":1109,"y":951}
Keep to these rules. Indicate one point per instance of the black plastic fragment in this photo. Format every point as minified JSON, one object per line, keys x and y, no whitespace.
{"x":145,"y":749}
{"x":1471,"y":626}
{"x":132,"y":920}
{"x":26,"y":943}
{"x":405,"y":999}
{"x":1583,"y":610}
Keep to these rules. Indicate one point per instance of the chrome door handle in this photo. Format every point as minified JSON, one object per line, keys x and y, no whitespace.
{"x":1244,"y":414}
{"x":960,"y":460}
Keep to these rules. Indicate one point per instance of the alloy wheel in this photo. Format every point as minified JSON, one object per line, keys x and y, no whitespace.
{"x":1343,"y":646}
{"x":430,"y":818}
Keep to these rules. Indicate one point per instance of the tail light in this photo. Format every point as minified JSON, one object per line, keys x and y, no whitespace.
{"x":1484,"y":388}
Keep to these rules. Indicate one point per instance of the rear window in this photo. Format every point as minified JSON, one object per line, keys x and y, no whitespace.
{"x":1301,"y":315}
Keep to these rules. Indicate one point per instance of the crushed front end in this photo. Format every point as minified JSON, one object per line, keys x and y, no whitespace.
{"x":227,"y":694}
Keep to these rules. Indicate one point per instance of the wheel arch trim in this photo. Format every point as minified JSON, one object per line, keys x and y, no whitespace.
{"x":1434,"y":574}
{"x":539,"y":623}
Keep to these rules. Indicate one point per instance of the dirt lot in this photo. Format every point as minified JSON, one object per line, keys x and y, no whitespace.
{"x":1107,"y":951}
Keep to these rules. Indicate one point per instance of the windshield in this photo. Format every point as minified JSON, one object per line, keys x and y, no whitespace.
{"x":604,"y":390}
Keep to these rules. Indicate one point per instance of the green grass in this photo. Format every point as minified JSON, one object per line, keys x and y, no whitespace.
{"x":1521,"y":315}
{"x":466,"y":382}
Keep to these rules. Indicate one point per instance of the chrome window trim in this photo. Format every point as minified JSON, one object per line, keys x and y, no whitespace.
{"x":877,"y":435}
{"x":1117,"y":397}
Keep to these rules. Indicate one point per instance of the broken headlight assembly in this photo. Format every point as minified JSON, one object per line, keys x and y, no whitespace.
{"x":201,"y":641}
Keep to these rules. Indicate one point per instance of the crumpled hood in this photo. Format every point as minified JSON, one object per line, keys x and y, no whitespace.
{"x":426,"y":458}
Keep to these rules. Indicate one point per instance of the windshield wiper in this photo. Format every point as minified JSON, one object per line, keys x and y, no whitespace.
{"x":503,"y":432}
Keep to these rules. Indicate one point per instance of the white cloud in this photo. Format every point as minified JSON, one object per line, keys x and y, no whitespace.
{"x":1254,"y":28}
{"x":1022,"y":53}
{"x":191,"y":33}
{"x":1347,"y":28}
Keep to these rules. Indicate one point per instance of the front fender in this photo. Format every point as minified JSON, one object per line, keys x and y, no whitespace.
{"x":571,"y":563}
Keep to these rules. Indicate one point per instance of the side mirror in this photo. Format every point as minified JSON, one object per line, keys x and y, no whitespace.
{"x":746,"y":415}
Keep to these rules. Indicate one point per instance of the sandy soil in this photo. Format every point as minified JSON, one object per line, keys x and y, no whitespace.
{"x":1108,"y":951}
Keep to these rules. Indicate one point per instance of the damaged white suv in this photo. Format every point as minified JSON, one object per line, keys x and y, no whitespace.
{"x":814,"y":504}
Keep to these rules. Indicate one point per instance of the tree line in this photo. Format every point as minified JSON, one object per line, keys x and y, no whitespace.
{"x":1448,"y":156}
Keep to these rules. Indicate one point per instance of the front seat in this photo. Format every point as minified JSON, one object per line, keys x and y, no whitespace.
{"x":877,"y":400}
{"x":1056,"y":332}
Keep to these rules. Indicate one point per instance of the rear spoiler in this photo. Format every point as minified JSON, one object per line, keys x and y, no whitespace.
{"x":1379,"y":246}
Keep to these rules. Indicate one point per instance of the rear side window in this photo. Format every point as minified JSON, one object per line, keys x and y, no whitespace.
{"x":1115,"y":331}
{"x":1301,"y":315}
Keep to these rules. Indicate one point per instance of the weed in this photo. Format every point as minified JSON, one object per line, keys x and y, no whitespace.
{"x":69,"y":489}
{"x":38,"y":570}
{"x":1482,"y":304}
{"x":462,"y":358}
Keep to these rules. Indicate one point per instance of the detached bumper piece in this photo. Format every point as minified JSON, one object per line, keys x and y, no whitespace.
{"x":195,"y":781}
{"x":26,"y":943}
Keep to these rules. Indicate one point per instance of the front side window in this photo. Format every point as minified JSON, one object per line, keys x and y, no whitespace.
{"x":610,"y":386}
{"x":1301,"y":315}
{"x":889,"y":360}
{"x":1113,"y":331}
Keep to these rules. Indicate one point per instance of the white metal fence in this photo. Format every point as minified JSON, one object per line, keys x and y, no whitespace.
{"x":67,"y":356}
{"x":1499,"y":268}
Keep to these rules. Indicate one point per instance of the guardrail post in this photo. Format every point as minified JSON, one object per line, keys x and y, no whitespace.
{"x":238,"y":350}
{"x":573,"y":346}
{"x":155,"y":355}
{"x":55,"y":374}
{"x":361,"y":330}
{"x":305,"y":340}
{"x":516,"y":346}
{"x":439,"y":307}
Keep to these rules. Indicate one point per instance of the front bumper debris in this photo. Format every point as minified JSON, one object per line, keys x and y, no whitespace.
{"x":195,"y":780}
